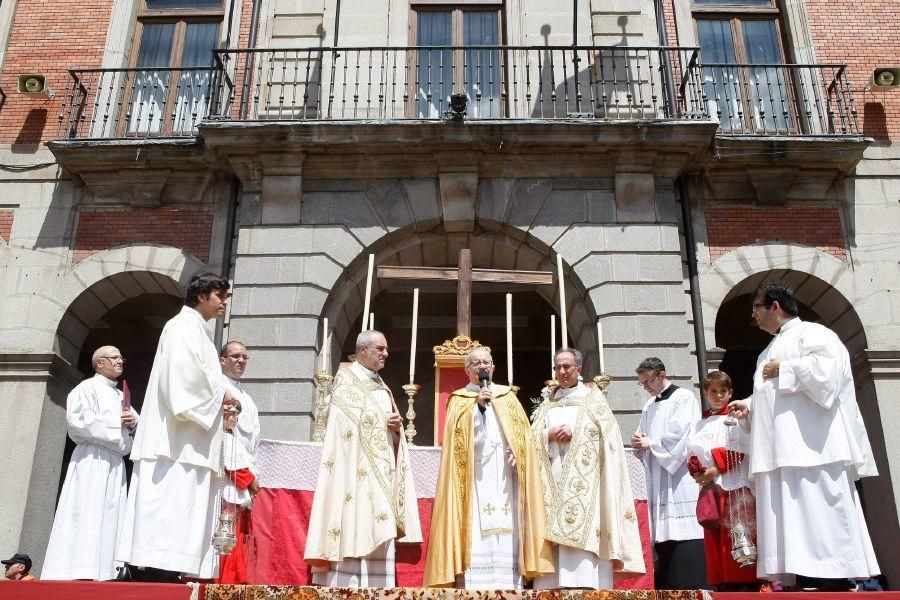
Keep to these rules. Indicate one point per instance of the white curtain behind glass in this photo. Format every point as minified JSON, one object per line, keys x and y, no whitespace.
{"x":193,"y":92}
{"x":483,"y":68}
{"x":148,"y":89}
{"x":768,"y":85}
{"x":434,"y":71}
{"x":723,"y":90}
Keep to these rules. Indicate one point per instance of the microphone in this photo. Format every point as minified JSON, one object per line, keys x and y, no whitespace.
{"x":484,"y":378}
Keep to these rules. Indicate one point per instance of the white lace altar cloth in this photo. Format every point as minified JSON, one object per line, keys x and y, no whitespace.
{"x":295,"y":466}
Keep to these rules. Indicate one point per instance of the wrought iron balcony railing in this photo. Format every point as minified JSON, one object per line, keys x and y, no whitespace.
{"x":499,"y":82}
{"x":779,"y":99}
{"x":122,"y":103}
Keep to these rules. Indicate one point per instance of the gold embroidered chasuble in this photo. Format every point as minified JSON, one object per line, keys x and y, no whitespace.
{"x":590,"y":506}
{"x":449,"y":548}
{"x":364,"y":494}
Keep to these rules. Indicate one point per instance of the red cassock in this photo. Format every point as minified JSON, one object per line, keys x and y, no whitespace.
{"x":720,"y":566}
{"x":233,"y":566}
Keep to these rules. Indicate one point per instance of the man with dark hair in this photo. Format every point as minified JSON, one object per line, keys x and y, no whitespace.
{"x":808,"y":447}
{"x":18,"y":568}
{"x":177,"y":448}
{"x":666,"y":422}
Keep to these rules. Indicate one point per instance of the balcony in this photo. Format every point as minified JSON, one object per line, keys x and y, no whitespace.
{"x":499,"y":83}
{"x":780,"y":99}
{"x":386,"y":84}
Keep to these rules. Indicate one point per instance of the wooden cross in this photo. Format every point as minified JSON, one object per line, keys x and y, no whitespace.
{"x":465,"y":275}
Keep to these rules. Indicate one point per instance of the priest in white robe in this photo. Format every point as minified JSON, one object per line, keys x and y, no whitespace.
{"x":177,"y":447}
{"x":661,"y":439}
{"x":488,"y":522}
{"x":808,"y":448}
{"x":365,"y":501}
{"x":587,"y":491}
{"x":240,"y":462}
{"x":91,"y":508}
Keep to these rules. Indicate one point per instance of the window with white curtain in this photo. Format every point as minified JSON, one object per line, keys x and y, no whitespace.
{"x":476,"y":72}
{"x":170,"y":88}
{"x":741,"y":50}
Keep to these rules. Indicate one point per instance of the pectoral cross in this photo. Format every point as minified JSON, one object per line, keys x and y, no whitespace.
{"x":465,"y":275}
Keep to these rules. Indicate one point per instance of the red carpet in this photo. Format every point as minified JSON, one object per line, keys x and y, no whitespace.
{"x":91,"y":590}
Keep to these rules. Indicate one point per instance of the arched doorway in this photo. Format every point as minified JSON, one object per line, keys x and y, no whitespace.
{"x":127,"y":310}
{"x":392,"y":305}
{"x":736,"y":333}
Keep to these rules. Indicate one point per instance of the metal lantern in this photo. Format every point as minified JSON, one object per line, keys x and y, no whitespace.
{"x":743,"y":547}
{"x":224,"y":539}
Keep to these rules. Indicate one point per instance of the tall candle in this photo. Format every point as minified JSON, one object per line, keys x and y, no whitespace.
{"x":371,"y":321}
{"x":562,"y":303}
{"x":552,"y":346}
{"x":509,"y":346}
{"x":415,"y":330}
{"x":328,"y":353}
{"x":368,"y":300}
{"x":600,"y":345}
{"x":324,"y":352}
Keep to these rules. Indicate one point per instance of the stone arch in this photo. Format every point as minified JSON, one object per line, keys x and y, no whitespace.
{"x":819,"y":301}
{"x":65,"y":315}
{"x":501,"y":249}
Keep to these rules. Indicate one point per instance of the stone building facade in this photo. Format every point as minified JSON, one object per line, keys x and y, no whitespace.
{"x":668,"y":199}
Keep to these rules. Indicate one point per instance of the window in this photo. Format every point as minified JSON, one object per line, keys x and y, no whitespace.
{"x":441,"y":72}
{"x":173,"y":59}
{"x":743,"y":64}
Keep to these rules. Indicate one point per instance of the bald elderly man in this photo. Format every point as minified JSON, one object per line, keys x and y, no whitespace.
{"x":90,"y":512}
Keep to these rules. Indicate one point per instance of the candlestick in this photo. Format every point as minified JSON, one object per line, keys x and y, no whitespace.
{"x":411,"y":390}
{"x":509,"y":346}
{"x":368,"y":300}
{"x":415,"y":329}
{"x":600,"y":345}
{"x":562,"y":302}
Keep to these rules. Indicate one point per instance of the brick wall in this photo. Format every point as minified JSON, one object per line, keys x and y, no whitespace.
{"x":6,"y":220}
{"x":863,"y":35}
{"x":187,"y":228}
{"x":48,"y":37}
{"x":816,"y":226}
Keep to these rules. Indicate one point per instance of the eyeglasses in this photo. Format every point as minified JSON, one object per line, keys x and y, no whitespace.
{"x":647,"y":382}
{"x":563,"y":367}
{"x":756,"y":307}
{"x":481,"y":363}
{"x":237,"y":356}
{"x":113,"y":359}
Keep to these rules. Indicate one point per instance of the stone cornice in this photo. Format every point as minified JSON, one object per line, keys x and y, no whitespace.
{"x":38,"y":367}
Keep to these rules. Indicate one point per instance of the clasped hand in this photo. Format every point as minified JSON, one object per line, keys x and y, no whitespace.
{"x":560,"y":433}
{"x":639,"y":441}
{"x":394,"y":422}
{"x":231,"y":408}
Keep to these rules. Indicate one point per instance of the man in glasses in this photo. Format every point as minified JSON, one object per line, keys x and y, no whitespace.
{"x":808,"y":447}
{"x":91,"y":507}
{"x":177,"y":448}
{"x":582,"y":459}
{"x":240,"y":462}
{"x":661,"y":438}
{"x":487,"y":527}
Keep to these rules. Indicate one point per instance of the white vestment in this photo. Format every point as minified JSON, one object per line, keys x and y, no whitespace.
{"x":176,"y":454}
{"x":808,"y":447}
{"x":352,"y":416}
{"x":495,"y":550}
{"x":576,"y":568}
{"x":244,"y":438}
{"x":671,"y":491}
{"x":91,"y":507}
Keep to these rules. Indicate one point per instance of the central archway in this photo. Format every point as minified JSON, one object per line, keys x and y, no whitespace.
{"x":392,"y":305}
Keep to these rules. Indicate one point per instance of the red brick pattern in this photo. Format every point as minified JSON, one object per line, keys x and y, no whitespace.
{"x":6,"y":220}
{"x":863,"y":35}
{"x":187,"y":228}
{"x":48,"y":38}
{"x":815,"y":226}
